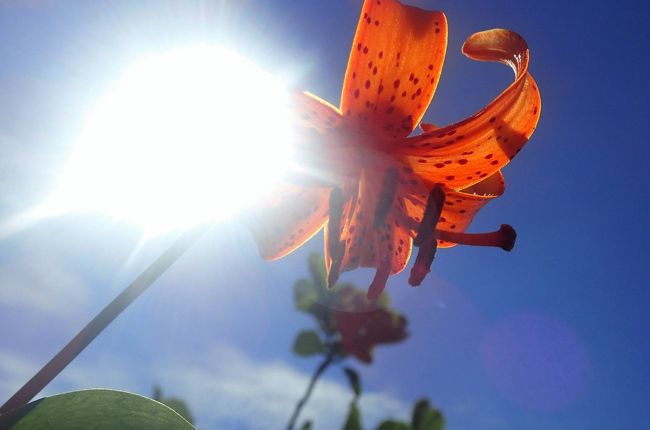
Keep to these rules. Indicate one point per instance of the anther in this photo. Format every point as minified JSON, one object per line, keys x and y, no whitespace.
{"x":423,"y":261}
{"x":426,"y":238}
{"x":386,"y":196}
{"x":336,"y":247}
{"x":503,"y":238}
{"x":381,"y":276}
{"x":431,"y":214}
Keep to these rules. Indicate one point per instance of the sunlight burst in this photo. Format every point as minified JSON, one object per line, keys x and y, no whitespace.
{"x":188,"y":136}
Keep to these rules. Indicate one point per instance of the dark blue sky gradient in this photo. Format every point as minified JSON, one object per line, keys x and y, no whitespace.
{"x":552,"y":335}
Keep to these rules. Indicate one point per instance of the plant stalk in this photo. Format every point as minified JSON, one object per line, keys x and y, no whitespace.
{"x":68,"y":353}
{"x":329,"y":359}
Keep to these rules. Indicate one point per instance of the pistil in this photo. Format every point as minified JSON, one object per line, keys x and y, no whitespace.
{"x":336,"y":247}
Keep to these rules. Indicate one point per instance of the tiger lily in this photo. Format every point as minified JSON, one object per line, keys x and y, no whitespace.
{"x":362,"y":331}
{"x":377,"y":189}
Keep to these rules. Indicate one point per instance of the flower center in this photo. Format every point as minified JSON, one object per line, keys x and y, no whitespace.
{"x":337,"y":156}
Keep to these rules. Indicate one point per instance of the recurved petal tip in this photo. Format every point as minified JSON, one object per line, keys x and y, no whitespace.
{"x":500,"y":45}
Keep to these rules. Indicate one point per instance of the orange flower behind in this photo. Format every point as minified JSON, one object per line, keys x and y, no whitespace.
{"x":378,"y":190}
{"x":362,"y":331}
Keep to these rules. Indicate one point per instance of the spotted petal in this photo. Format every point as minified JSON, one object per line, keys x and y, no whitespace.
{"x":461,"y":206}
{"x":394,"y":66}
{"x":288,"y":220}
{"x":311,"y":112}
{"x":463,"y":154}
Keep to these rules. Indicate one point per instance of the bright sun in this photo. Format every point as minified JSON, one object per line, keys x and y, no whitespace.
{"x":184,"y":137}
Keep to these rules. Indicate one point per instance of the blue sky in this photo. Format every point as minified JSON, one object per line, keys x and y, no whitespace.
{"x":553,"y":334}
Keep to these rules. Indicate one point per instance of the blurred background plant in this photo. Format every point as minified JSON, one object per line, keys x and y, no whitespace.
{"x":177,"y":404}
{"x":349,"y":325}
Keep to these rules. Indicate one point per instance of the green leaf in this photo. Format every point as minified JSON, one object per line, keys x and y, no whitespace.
{"x":354,"y":379}
{"x":305,"y":295}
{"x":308,"y":343}
{"x":432,"y":420}
{"x":393,"y":425}
{"x":427,"y":418}
{"x":180,"y":407}
{"x":306,"y":425}
{"x":96,"y":409}
{"x":353,"y":422}
{"x":419,"y":409}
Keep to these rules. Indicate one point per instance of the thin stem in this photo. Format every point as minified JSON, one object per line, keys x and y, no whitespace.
{"x":301,"y":403}
{"x":103,"y":319}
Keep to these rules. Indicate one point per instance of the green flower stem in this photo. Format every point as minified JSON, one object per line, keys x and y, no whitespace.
{"x":103,"y":319}
{"x":329,"y":359}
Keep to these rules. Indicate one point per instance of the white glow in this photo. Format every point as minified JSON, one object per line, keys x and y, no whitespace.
{"x":188,"y":136}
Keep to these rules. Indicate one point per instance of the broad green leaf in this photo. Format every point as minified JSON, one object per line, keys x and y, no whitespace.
{"x":353,"y":422}
{"x":308,"y":343}
{"x":354,"y":379}
{"x":94,"y":409}
{"x":393,"y":425}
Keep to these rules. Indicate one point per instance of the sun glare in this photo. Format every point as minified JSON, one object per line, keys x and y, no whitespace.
{"x":188,"y":136}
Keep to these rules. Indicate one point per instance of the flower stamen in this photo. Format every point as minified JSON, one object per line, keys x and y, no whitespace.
{"x":426,"y":236}
{"x":503,"y":238}
{"x":431,"y":214}
{"x":381,"y":276}
{"x":336,"y":246}
{"x":386,"y":196}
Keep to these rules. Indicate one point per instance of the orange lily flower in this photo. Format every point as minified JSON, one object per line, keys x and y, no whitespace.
{"x":362,"y":331}
{"x":378,"y":190}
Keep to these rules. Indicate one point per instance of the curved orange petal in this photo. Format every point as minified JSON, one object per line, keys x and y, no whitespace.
{"x":465,"y":153}
{"x":394,"y":66}
{"x":312,"y":112}
{"x":357,"y":229}
{"x":291,"y":218}
{"x":315,"y":127}
{"x":401,"y":244}
{"x":461,"y":206}
{"x":425,"y":126}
